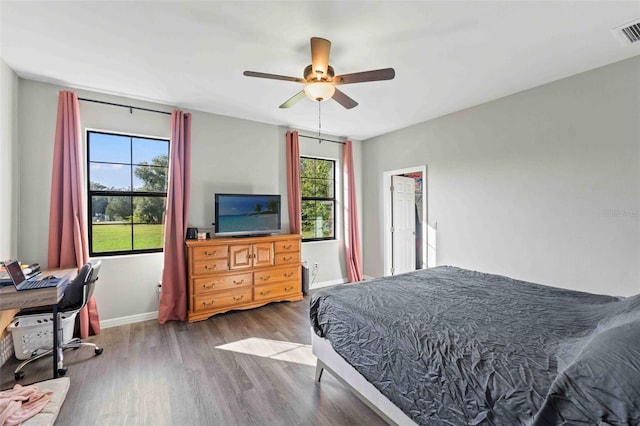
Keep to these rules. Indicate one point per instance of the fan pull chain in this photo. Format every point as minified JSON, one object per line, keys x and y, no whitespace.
{"x":319,"y":123}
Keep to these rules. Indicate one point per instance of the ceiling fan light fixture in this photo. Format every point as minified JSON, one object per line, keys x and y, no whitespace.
{"x":320,"y":91}
{"x":320,"y":78}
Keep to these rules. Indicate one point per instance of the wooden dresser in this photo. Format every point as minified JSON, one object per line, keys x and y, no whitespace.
{"x":241,"y":273}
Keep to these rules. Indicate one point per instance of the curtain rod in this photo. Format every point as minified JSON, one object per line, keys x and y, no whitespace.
{"x":124,"y":106}
{"x":320,"y":139}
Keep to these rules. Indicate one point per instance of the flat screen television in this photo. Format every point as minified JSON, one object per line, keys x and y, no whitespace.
{"x":246,"y":214}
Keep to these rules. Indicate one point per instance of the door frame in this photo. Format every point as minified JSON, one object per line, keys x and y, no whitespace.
{"x":386,"y":203}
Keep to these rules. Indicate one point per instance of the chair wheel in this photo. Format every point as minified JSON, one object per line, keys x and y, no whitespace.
{"x":62,"y":371}
{"x":19,"y":375}
{"x":98,"y":351}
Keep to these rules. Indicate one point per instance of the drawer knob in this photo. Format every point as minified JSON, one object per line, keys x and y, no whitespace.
{"x":288,"y":274}
{"x":238,"y":298}
{"x":210,"y":266}
{"x":287,"y":289}
{"x":210,"y":253}
{"x":268,"y":277}
{"x":288,"y":247}
{"x":264,"y":293}
{"x":209,"y":303}
{"x":211,"y":285}
{"x":286,"y":259}
{"x":238,"y":282}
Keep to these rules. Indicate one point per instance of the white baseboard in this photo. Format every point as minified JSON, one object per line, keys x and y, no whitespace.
{"x":328,"y":283}
{"x":336,"y":282}
{"x":154,"y":315}
{"x":129,"y":320}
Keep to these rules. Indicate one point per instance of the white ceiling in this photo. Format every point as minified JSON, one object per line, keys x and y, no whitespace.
{"x":448,"y":55}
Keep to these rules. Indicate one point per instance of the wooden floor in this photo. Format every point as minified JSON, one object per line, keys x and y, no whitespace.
{"x":173,"y":374}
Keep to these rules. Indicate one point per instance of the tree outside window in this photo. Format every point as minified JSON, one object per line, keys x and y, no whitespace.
{"x":127,"y":182}
{"x":317,"y":183}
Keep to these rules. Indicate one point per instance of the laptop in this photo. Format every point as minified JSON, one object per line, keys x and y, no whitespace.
{"x":22,"y":283}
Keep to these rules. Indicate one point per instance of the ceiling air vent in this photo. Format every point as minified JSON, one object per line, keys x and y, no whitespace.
{"x":628,"y":33}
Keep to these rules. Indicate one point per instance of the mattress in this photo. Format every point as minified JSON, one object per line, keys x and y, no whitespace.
{"x":453,"y":346}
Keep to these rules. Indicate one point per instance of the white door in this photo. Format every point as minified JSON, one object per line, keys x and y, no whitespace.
{"x":403,"y":224}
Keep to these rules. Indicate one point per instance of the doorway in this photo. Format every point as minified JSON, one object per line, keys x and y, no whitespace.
{"x":405,"y":220}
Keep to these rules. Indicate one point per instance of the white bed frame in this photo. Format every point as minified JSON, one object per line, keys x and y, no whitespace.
{"x":328,"y":359}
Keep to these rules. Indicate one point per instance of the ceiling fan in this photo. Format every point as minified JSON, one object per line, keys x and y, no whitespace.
{"x":320,"y":80}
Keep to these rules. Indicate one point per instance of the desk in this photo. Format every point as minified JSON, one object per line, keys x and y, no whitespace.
{"x":10,"y":298}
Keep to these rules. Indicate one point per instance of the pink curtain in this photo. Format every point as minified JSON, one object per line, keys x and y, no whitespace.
{"x":352,"y":235}
{"x":68,"y":246}
{"x":293,"y":182}
{"x":173,"y":299}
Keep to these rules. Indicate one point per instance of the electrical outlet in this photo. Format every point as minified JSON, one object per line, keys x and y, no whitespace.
{"x":315,"y":268}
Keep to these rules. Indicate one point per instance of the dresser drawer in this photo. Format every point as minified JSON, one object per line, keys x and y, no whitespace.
{"x":226,"y":273}
{"x":287,"y":245}
{"x":210,"y":252}
{"x":221,"y":299}
{"x":287,"y":258}
{"x":276,"y":275}
{"x":276,"y":290}
{"x":221,"y":282}
{"x":208,"y":266}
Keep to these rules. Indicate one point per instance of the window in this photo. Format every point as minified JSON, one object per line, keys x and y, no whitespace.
{"x":317,"y":183}
{"x":127,"y":192}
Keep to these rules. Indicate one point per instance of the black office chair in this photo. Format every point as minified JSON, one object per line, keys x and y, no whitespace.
{"x":75,"y":297}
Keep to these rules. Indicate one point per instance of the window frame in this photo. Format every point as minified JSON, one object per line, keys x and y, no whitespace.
{"x":109,"y":193}
{"x":333,"y":199}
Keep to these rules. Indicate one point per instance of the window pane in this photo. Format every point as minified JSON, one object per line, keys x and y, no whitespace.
{"x":115,"y":177}
{"x":126,"y":223}
{"x":110,"y":236}
{"x":308,"y":229}
{"x":327,"y":229}
{"x":148,"y":236}
{"x":317,"y":181}
{"x":317,"y":219}
{"x":308,"y":209}
{"x":118,"y":209}
{"x":324,"y":188}
{"x":317,"y":178}
{"x":307,"y":167}
{"x":148,"y":209}
{"x":150,"y":178}
{"x":307,"y":188}
{"x":109,"y":148}
{"x":145,"y":150}
{"x":317,"y":188}
{"x":324,"y":169}
{"x":99,"y":209}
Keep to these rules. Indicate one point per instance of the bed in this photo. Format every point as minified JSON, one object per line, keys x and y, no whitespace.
{"x":452,"y":346}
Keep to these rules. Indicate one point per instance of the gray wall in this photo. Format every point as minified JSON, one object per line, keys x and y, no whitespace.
{"x":127,"y":283}
{"x":543,"y":185}
{"x":228,"y":155}
{"x":9,"y":178}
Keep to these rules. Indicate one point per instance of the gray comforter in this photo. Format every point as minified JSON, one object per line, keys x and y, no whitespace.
{"x":453,"y":346}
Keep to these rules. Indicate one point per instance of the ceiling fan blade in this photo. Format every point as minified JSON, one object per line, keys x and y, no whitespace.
{"x":320,"y":49}
{"x":293,"y":100}
{"x":361,"y":77}
{"x":344,"y":100}
{"x":272,"y":76}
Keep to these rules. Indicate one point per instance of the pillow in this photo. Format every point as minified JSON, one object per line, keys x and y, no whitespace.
{"x":602,"y":383}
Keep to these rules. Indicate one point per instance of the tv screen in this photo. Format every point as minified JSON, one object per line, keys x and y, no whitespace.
{"x":246,"y":214}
